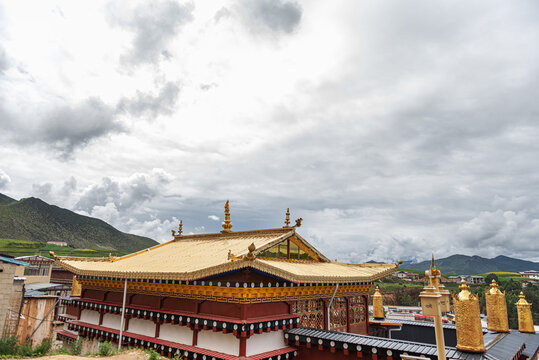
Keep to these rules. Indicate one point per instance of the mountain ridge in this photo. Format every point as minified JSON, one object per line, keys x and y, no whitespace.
{"x":34,"y":219}
{"x":467,"y":265}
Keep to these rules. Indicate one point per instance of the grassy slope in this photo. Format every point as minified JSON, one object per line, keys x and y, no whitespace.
{"x":24,"y":247}
{"x":35,"y":220}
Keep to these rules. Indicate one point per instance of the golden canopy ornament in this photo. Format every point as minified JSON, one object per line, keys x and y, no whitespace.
{"x":525,"y":319}
{"x":468,"y":321}
{"x":496,"y":309}
{"x":377,"y":304}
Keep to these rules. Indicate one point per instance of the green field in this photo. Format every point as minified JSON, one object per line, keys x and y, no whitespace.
{"x":24,"y":247}
{"x":503,"y":276}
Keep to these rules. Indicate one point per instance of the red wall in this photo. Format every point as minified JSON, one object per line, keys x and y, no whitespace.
{"x":219,"y":309}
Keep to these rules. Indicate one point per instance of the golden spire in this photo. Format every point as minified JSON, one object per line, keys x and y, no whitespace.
{"x":180,"y":228}
{"x":468,"y":321}
{"x":377,"y":304}
{"x":287,"y":219}
{"x":227,"y":225}
{"x":525,"y":319}
{"x":496,"y":309}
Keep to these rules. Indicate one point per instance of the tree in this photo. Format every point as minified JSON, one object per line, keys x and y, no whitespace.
{"x":490,"y":277}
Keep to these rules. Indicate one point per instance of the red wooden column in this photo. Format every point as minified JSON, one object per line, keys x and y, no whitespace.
{"x":243,"y":346}
{"x":347,"y":298}
{"x":366,"y":303}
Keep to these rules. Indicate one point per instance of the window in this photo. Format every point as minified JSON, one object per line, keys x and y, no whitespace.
{"x":286,"y":250}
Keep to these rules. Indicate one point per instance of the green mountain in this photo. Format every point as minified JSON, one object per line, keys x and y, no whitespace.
{"x":468,"y":265}
{"x":35,"y":220}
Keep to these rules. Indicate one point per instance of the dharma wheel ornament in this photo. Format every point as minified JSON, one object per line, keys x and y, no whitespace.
{"x":377,"y":304}
{"x":468,"y":321}
{"x":525,"y":319}
{"x":496,"y":309}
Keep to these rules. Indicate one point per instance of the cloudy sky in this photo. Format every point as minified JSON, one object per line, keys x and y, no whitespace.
{"x":393,"y":128}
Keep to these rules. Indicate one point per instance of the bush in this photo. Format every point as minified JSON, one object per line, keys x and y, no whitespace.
{"x":8,"y":345}
{"x":76,"y":347}
{"x":25,"y":350}
{"x":153,"y":355}
{"x":105,"y":349}
{"x":43,"y":348}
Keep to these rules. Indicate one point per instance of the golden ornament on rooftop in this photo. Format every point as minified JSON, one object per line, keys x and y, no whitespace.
{"x":287,"y":219}
{"x":226,"y":224}
{"x":377,"y":304}
{"x":76,"y":288}
{"x":468,"y":321}
{"x":525,"y":319}
{"x":496,"y":309}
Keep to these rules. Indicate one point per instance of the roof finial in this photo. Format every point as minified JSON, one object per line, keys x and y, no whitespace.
{"x":180,"y":228}
{"x":287,"y":219}
{"x":298,"y":222}
{"x":227,"y":225}
{"x":432,"y":265}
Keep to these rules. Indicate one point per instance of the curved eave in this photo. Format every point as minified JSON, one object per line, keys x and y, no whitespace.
{"x":265,"y":266}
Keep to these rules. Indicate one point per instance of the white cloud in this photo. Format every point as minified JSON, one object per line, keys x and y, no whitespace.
{"x":4,"y":179}
{"x":393,"y":129}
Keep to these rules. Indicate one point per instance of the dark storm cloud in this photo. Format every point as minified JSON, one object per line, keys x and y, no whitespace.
{"x":278,"y":16}
{"x":64,"y":128}
{"x":149,"y":105}
{"x":69,"y":127}
{"x":153,"y":25}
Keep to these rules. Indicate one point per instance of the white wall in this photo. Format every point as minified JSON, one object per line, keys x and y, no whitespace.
{"x":141,"y":327}
{"x":261,"y":343}
{"x":176,"y":333}
{"x":89,"y":316}
{"x":217,"y":341}
{"x":112,"y":321}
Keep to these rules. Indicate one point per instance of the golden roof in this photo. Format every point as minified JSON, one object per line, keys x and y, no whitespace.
{"x":192,"y":257}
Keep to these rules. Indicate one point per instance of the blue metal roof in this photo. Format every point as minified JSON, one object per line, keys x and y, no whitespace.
{"x":12,"y":261}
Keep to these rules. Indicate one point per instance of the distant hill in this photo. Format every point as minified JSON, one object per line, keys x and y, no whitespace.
{"x":35,"y":220}
{"x":467,"y":265}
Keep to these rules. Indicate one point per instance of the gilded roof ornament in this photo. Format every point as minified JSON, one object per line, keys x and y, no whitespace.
{"x":464,"y":293}
{"x":226,"y":224}
{"x":180,"y":228}
{"x":51,"y":253}
{"x":250,"y":255}
{"x":525,"y":319}
{"x":494,"y":288}
{"x":468,"y":321}
{"x":298,"y":222}
{"x":377,"y":304}
{"x":496,"y":309}
{"x":287,"y":219}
